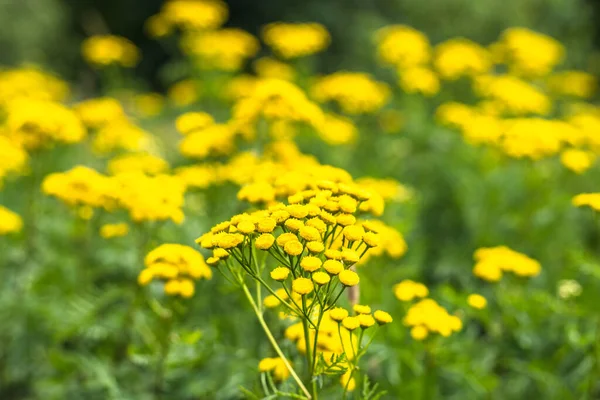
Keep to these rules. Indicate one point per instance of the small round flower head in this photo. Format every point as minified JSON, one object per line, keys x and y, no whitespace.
{"x":371,"y":239}
{"x":310,"y":263}
{"x":145,"y":277}
{"x":327,"y":218}
{"x":280,"y":216}
{"x":309,"y":233}
{"x":320,"y":278}
{"x":220,"y":253}
{"x":382,"y":317}
{"x":348,"y":204}
{"x":212,"y":261}
{"x":366,"y":320}
{"x":294,"y":224}
{"x":246,"y":227}
{"x":477,"y":301}
{"x":333,"y":267}
{"x":295,"y":198}
{"x":293,"y":248}
{"x":360,"y":309}
{"x":267,"y":364}
{"x":350,"y":323}
{"x":333,"y":254}
{"x":315,"y":247}
{"x":317,"y":223}
{"x":229,"y":240}
{"x":371,"y":225}
{"x":271,"y":301}
{"x":220,"y":227}
{"x":284,"y":238}
{"x":266,"y":225}
{"x":338,"y":314}
{"x":353,"y":233}
{"x":349,"y":278}
{"x":345,"y":219}
{"x":297,"y":210}
{"x":264,"y":241}
{"x":350,"y":256}
{"x":302,"y":286}
{"x":186,"y":288}
{"x":280,"y":273}
{"x":313,"y":210}
{"x":332,"y":206}
{"x":419,"y":332}
{"x":172,"y":287}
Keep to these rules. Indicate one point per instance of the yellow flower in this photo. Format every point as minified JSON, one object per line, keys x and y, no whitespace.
{"x":419,"y":80}
{"x":360,"y":309}
{"x":419,"y":332}
{"x":576,"y":160}
{"x":347,"y":381}
{"x":229,"y":240}
{"x":296,"y":40}
{"x":95,"y":113}
{"x":302,"y":286}
{"x":338,"y":314}
{"x":408,"y":290}
{"x":271,"y":301}
{"x":309,"y":233}
{"x":591,"y":200}
{"x":345,"y":219}
{"x":264,"y":241}
{"x":402,"y":46}
{"x":461,"y":57}
{"x":353,"y":233}
{"x":193,"y":121}
{"x":246,"y":227}
{"x":184,"y":93}
{"x":350,"y":256}
{"x":371,"y":239}
{"x":320,"y":278}
{"x":104,"y":50}
{"x":351,"y":323}
{"x":477,"y":301}
{"x":284,"y":238}
{"x":294,"y":224}
{"x":266,"y":225}
{"x":382,"y":317}
{"x":348,"y":278}
{"x":366,"y":320}
{"x":310,"y":263}
{"x":108,"y":231}
{"x":267,"y":67}
{"x":315,"y":247}
{"x":293,"y":248}
{"x":276,"y":365}
{"x":280,"y":273}
{"x":333,"y":267}
{"x":142,"y":162}
{"x":432,"y":318}
{"x":9,"y":221}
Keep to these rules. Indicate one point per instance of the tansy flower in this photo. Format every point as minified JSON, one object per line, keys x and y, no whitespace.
{"x":9,"y":221}
{"x":310,"y":263}
{"x":284,"y":238}
{"x":309,"y":233}
{"x":280,"y":273}
{"x":333,"y":267}
{"x":477,"y":301}
{"x":419,"y":332}
{"x":302,"y":286}
{"x":351,"y":323}
{"x":382,"y":317}
{"x":350,"y":256}
{"x":366,"y":320}
{"x":353,"y":233}
{"x":294,"y":224}
{"x":320,"y":278}
{"x":333,"y":254}
{"x":293,"y":248}
{"x":266,"y":225}
{"x":371,"y":239}
{"x":348,"y":278}
{"x":108,"y":231}
{"x":276,"y":366}
{"x":408,"y":290}
{"x":338,"y":314}
{"x":264,"y":241}
{"x":360,"y":309}
{"x":315,"y":247}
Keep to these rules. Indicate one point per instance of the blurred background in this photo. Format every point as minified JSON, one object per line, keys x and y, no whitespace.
{"x":49,"y":32}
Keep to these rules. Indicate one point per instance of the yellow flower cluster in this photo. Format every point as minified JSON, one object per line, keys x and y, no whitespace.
{"x":184,"y":93}
{"x":591,"y":200}
{"x":419,"y":80}
{"x":576,"y":84}
{"x":176,"y":264}
{"x":337,"y":130}
{"x":529,"y":53}
{"x":9,"y":221}
{"x":477,"y":301}
{"x":212,"y":140}
{"x":105,"y":50}
{"x":427,"y":316}
{"x":142,"y":162}
{"x":577,"y":160}
{"x":81,"y":186}
{"x":31,"y":83}
{"x":98,"y":112}
{"x":276,"y":366}
{"x":187,"y":15}
{"x":402,"y":46}
{"x":408,"y":290}
{"x":121,"y":134}
{"x":459,"y":57}
{"x":513,"y":95}
{"x":267,"y":67}
{"x":39,"y":123}
{"x":355,"y":92}
{"x":149,"y":104}
{"x":224,"y":49}
{"x":491,"y":262}
{"x":296,"y":40}
{"x":12,"y":158}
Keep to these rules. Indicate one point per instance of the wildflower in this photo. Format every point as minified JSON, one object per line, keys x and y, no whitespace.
{"x":477,"y":301}
{"x":296,"y":40}
{"x":104,"y":50}
{"x":142,"y":162}
{"x":591,"y":200}
{"x":337,"y":130}
{"x":350,"y":256}
{"x":351,"y":323}
{"x":293,"y":248}
{"x":309,"y":233}
{"x":320,"y":278}
{"x":366,"y":320}
{"x":95,"y":113}
{"x":576,"y":160}
{"x":338,"y":314}
{"x":193,"y":121}
{"x":266,"y":225}
{"x":9,"y":221}
{"x":184,"y":93}
{"x":246,"y":227}
{"x":345,"y":219}
{"x":419,"y":332}
{"x":271,"y":301}
{"x":408,"y":290}
{"x":264,"y":241}
{"x":108,"y":231}
{"x":333,"y":267}
{"x":353,"y":233}
{"x":348,"y":278}
{"x":382,"y":317}
{"x":13,"y":157}
{"x":319,"y":225}
{"x":284,"y":238}
{"x":229,"y":240}
{"x":267,"y":67}
{"x":310,"y":263}
{"x":275,"y":365}
{"x":280,"y":273}
{"x":568,"y":288}
{"x":461,"y":57}
{"x":419,"y":80}
{"x":371,"y":239}
{"x":573,"y":83}
{"x":302,"y":286}
{"x":194,"y":15}
{"x":360,"y":309}
{"x":294,"y":224}
{"x":315,"y":247}
{"x":491,"y":261}
{"x":428,"y":316}
{"x":402,"y":46}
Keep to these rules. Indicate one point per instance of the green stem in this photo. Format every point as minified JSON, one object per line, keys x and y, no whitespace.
{"x":272,"y":340}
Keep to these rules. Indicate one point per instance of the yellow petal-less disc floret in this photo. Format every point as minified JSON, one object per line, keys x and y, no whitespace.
{"x":351,"y":323}
{"x":361,"y":309}
{"x":333,"y":267}
{"x":264,"y":241}
{"x":345,"y":219}
{"x":315,"y":247}
{"x":366,"y":320}
{"x":353,"y":233}
{"x":294,"y":224}
{"x":333,"y":254}
{"x":293,"y":248}
{"x":309,"y":233}
{"x":371,"y":239}
{"x":477,"y":301}
{"x":349,"y":278}
{"x":320,"y":278}
{"x":302,"y":286}
{"x":246,"y":227}
{"x":266,"y":225}
{"x":338,"y":314}
{"x":419,"y":332}
{"x":284,"y":238}
{"x":382,"y":317}
{"x":280,"y":273}
{"x":297,"y":211}
{"x":310,"y":263}
{"x":350,"y":256}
